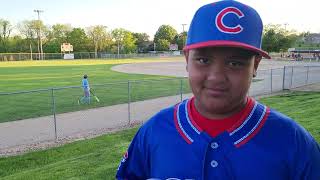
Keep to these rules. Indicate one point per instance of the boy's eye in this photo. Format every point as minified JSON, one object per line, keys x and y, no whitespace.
{"x":235,"y":63}
{"x":203,"y":60}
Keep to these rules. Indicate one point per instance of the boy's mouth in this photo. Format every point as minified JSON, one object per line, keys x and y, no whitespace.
{"x":216,"y":91}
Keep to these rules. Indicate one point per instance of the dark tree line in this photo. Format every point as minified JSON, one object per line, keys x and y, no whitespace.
{"x":100,"y":38}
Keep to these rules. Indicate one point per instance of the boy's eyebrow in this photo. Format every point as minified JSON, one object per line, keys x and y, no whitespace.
{"x":239,"y":56}
{"x":244,"y":56}
{"x":201,"y":52}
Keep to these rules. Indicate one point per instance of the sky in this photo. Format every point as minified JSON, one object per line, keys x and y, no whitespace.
{"x":147,"y":15}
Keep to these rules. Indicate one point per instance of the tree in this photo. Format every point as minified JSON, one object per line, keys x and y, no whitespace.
{"x":180,"y":39}
{"x":97,"y":35}
{"x":60,"y":31}
{"x":163,"y":45}
{"x":31,"y":29}
{"x":56,"y":37}
{"x":142,"y":41}
{"x":42,"y":34}
{"x":164,"y":35}
{"x":307,"y":40}
{"x":5,"y":30}
{"x":18,"y":44}
{"x":124,"y":41}
{"x":129,"y":43}
{"x":118,"y":37}
{"x":28,"y":30}
{"x":78,"y":38}
{"x":276,"y":38}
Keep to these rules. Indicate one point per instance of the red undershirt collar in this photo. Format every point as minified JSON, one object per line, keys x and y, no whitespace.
{"x":216,"y":126}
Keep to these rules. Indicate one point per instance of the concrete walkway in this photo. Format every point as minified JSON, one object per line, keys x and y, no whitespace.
{"x":75,"y":125}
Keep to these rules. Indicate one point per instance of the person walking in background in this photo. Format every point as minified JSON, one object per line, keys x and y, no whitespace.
{"x":221,"y":133}
{"x":86,"y":89}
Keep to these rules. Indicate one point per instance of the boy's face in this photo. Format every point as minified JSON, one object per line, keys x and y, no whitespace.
{"x":220,"y":79}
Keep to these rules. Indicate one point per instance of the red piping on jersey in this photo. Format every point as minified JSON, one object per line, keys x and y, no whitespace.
{"x":249,"y":105}
{"x":177,"y":125}
{"x":256,"y":130}
{"x":191,"y":118}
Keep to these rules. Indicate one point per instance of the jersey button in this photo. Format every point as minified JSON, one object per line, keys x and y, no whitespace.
{"x":214,"y":163}
{"x":214,"y":145}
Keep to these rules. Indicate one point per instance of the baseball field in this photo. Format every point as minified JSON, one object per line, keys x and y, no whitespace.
{"x":98,"y":158}
{"x":37,"y":82}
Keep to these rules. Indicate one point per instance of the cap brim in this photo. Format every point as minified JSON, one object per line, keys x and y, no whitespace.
{"x":227,"y":44}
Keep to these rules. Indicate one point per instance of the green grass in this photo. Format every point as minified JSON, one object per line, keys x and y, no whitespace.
{"x":301,"y":106}
{"x":111,"y":87}
{"x":90,"y":159}
{"x":98,"y":158}
{"x":30,"y":75}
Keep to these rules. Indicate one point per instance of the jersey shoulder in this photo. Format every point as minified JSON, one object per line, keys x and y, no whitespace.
{"x":287,"y":133}
{"x":163,"y":116}
{"x":159,"y":122}
{"x":281,"y":123}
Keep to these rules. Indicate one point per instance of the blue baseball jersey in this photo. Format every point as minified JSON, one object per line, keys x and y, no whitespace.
{"x":85,"y":84}
{"x":267,"y":145}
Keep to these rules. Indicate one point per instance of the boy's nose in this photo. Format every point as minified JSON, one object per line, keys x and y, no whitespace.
{"x":217,"y":72}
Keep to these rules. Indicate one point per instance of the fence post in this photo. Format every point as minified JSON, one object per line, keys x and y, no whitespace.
{"x":181,"y":90}
{"x":307,"y":80}
{"x":283,"y":77}
{"x":129,"y":100}
{"x":54,"y":113}
{"x":291,"y":77}
{"x":271,"y":80}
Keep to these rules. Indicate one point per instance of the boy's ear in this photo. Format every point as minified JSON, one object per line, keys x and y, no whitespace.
{"x":257,"y":60}
{"x":254,"y":74}
{"x":186,"y":56}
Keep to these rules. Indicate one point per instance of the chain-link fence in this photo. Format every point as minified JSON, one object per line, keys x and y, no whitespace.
{"x":49,"y":114}
{"x":84,"y":55}
{"x":103,"y":55}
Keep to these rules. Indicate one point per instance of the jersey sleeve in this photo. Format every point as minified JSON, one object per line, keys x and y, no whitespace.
{"x":133,"y":164}
{"x":307,"y":159}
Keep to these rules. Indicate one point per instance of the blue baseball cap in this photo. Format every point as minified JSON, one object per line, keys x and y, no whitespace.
{"x":226,"y":23}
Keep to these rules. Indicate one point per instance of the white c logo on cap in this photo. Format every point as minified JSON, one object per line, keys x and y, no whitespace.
{"x":224,"y":28}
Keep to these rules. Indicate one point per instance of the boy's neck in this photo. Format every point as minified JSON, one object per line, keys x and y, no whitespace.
{"x":221,"y":115}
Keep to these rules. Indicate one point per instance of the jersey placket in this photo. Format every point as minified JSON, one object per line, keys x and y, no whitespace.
{"x":212,"y":151}
{"x":217,"y":164}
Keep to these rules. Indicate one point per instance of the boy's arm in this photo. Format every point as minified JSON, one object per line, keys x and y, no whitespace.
{"x":133,"y":164}
{"x":308,"y":158}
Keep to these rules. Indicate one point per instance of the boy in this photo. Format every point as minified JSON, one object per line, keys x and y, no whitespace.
{"x":86,"y":89}
{"x":221,"y":133}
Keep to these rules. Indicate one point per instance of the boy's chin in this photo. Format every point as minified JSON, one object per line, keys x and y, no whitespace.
{"x":217,"y":111}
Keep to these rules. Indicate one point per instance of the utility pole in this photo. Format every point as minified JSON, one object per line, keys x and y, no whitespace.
{"x":285,"y":26}
{"x":39,"y":34}
{"x":183,"y":38}
{"x":119,"y":39}
{"x":183,"y":27}
{"x":118,"y":49}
